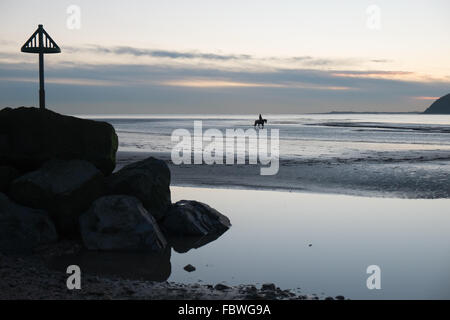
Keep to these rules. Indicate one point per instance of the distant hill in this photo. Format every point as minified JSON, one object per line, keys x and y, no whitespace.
{"x":440,"y":106}
{"x":369,"y":112}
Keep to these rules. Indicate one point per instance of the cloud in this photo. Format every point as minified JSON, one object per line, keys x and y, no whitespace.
{"x":223,"y":83}
{"x":381,"y":60}
{"x":245,"y":60}
{"x":139,"y":52}
{"x":66,"y":81}
{"x":377,"y":74}
{"x":426,"y":98}
{"x":142,"y":88}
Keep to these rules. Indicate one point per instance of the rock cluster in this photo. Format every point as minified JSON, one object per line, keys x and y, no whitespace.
{"x":57,"y":181}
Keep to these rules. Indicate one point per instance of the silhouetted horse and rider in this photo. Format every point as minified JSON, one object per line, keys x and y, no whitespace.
{"x":260,"y":122}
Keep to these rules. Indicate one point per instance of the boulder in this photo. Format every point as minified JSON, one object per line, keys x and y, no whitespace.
{"x":7,"y":175}
{"x":440,"y":106}
{"x":193,"y":218}
{"x":65,"y":188}
{"x":30,"y":136}
{"x":22,"y":228}
{"x":148,"y":180}
{"x":120,"y":222}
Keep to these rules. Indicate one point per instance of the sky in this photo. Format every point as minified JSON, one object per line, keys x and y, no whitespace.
{"x":218,"y":57}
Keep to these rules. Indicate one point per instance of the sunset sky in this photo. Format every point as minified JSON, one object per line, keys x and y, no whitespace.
{"x":229,"y":56}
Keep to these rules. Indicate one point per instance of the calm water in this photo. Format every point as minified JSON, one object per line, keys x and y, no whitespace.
{"x":271,"y":232}
{"x":270,"y":239}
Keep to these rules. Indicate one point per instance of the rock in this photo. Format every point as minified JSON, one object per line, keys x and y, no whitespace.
{"x":221,"y":287}
{"x":120,"y":222}
{"x":22,"y":229}
{"x":65,"y":188}
{"x":193,"y":218}
{"x":189,"y":268}
{"x":270,"y":295}
{"x":7,"y":175}
{"x":340,"y":298}
{"x":148,"y":180}
{"x":30,"y":136}
{"x":440,"y":106}
{"x":268,"y":287}
{"x":329,"y":298}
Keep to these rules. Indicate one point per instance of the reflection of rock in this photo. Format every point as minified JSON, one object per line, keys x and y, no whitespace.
{"x":184,"y":244}
{"x":30,"y":136}
{"x":129,"y":265}
{"x":193,"y":218}
{"x":7,"y":175}
{"x":65,"y":188}
{"x":21,"y":228}
{"x":120,"y":222}
{"x":148,"y":180}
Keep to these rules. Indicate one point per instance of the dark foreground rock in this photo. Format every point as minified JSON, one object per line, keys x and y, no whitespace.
{"x":148,"y":180}
{"x":120,"y":222}
{"x":193,"y":218}
{"x":29,"y":137}
{"x":7,"y":175}
{"x":440,"y":106}
{"x":22,"y":229}
{"x":65,"y":188}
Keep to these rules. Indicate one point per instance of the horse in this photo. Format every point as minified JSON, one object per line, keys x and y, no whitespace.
{"x":260,"y":123}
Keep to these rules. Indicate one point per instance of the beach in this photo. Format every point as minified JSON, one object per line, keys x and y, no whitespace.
{"x":372,"y":191}
{"x":368,"y":192}
{"x":311,"y":246}
{"x":405,"y":156}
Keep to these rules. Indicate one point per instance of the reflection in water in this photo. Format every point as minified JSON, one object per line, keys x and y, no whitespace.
{"x":135,"y":265}
{"x":184,"y":244}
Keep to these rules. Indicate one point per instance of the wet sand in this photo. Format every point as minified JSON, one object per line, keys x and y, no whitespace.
{"x":411,"y":180}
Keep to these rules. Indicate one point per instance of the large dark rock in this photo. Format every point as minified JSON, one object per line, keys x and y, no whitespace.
{"x":193,"y":218}
{"x":148,"y":180}
{"x":120,"y":222}
{"x":66,"y":188}
{"x":7,"y":175}
{"x":22,"y":229}
{"x":30,"y":136}
{"x":440,"y":106}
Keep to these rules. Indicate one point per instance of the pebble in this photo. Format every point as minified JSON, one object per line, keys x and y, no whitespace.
{"x":221,"y":287}
{"x":268,"y":286}
{"x":189,"y":268}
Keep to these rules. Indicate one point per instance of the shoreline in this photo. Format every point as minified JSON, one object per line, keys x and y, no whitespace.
{"x":364,"y":179}
{"x":29,"y":277}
